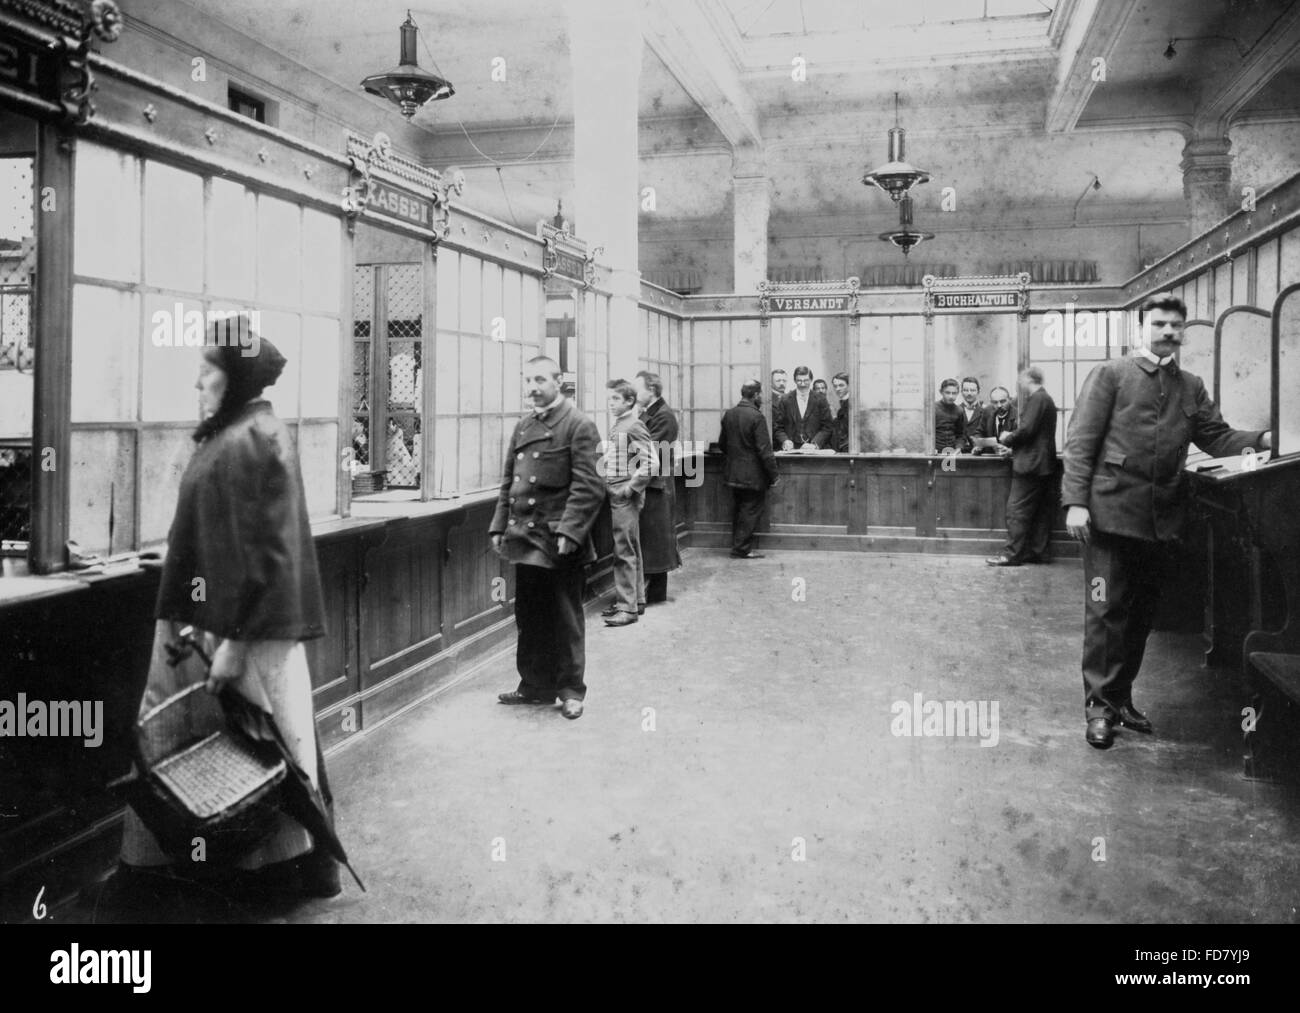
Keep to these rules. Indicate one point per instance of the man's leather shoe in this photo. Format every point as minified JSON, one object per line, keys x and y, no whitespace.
{"x":572,"y":709}
{"x":621,"y":619}
{"x":611,"y":611}
{"x":1001,"y":561}
{"x":747,"y":555}
{"x":1131,"y":717}
{"x":516,"y":697}
{"x":1101,"y":733}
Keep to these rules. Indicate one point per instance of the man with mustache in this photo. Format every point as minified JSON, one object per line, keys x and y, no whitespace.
{"x":1124,"y":457}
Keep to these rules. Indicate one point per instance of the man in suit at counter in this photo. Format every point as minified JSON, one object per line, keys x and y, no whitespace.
{"x":659,"y":515}
{"x":973,"y":413}
{"x":779,"y":381}
{"x":1124,"y":457}
{"x":803,"y":416}
{"x":550,"y":495}
{"x":840,"y":424}
{"x":949,"y":420}
{"x":1031,"y":503}
{"x":999,"y":418}
{"x":749,"y":467}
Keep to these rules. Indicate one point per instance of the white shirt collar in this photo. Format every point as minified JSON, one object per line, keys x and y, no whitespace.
{"x":546,"y":408}
{"x":1150,"y":355}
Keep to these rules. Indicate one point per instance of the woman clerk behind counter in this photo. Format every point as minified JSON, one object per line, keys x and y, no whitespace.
{"x":241,"y":526}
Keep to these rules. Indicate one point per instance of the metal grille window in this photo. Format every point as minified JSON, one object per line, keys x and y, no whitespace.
{"x":17,"y":352}
{"x":388,"y":346}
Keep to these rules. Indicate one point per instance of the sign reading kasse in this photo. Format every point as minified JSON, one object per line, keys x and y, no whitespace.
{"x":386,"y":199}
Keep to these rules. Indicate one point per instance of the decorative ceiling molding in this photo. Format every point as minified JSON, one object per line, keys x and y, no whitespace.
{"x":1092,"y":31}
{"x":687,"y":38}
{"x":1225,"y":96}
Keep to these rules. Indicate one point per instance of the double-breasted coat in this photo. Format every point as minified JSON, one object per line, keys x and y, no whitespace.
{"x":1127,"y":445}
{"x":552,"y":486}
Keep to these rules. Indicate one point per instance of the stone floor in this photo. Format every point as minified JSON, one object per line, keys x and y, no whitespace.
{"x":737,"y":762}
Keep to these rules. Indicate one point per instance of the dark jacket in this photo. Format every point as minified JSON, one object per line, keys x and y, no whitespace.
{"x":976,"y":425}
{"x":995,"y":428}
{"x":815,"y":427}
{"x":661,"y":421}
{"x":552,"y":486}
{"x":750,"y":463}
{"x":1127,"y":445}
{"x":1033,"y":442}
{"x":840,"y":427}
{"x":949,"y":426}
{"x":658,"y":517}
{"x":241,"y":527}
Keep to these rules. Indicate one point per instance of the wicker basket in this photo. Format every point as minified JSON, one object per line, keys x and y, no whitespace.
{"x":200,"y":776}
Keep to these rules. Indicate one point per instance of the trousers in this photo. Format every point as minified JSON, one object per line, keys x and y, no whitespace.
{"x":1031,"y":505}
{"x":746,"y":510}
{"x":1123,"y":580}
{"x":629,"y":565}
{"x":551,"y":654}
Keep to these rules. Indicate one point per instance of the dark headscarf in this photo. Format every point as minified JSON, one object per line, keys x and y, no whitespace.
{"x":229,"y":344}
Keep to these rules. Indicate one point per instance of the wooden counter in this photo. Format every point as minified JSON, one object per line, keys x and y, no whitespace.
{"x":873,"y":503}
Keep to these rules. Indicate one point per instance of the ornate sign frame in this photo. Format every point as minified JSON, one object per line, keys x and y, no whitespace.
{"x":1016,"y":285}
{"x":847,"y":289}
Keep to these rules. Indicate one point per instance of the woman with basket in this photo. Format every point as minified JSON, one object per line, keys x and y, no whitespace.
{"x":241,"y":570}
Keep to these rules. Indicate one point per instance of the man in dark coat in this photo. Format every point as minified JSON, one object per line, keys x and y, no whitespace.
{"x":1124,"y":458}
{"x":550,"y":495}
{"x":659,"y":515}
{"x":1030,"y":505}
{"x":803,"y":416}
{"x":749,"y":468}
{"x":999,"y":418}
{"x":949,"y":420}
{"x":843,"y":414}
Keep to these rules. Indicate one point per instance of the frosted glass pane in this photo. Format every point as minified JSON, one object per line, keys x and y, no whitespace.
{"x":322,"y":237}
{"x":510,"y":306}
{"x":471,"y":460}
{"x":102,"y":475}
{"x":282,"y":330}
{"x":320,"y":367}
{"x":318,"y":459}
{"x":493,"y":370}
{"x":164,"y":453}
{"x":171,"y":367}
{"x":492,"y":296}
{"x":707,"y":341}
{"x":448,"y":289}
{"x":1245,"y":370}
{"x":1266,"y":289}
{"x":471,"y":311}
{"x":471,"y":366}
{"x":105,"y":343}
{"x":232,"y":238}
{"x":106,"y":233}
{"x":707,"y":383}
{"x":445,"y":474}
{"x":279,"y":251}
{"x":173,"y":228}
{"x":531,"y":310}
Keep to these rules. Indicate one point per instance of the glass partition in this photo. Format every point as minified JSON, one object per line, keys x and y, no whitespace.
{"x":1245,"y":343}
{"x":891,"y":395}
{"x":1286,"y":330}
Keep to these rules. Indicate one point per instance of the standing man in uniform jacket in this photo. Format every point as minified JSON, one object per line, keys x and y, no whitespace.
{"x":1030,"y":505}
{"x":802,"y":416}
{"x":550,"y":495}
{"x":749,"y":468}
{"x":1124,"y":458}
{"x":659,"y":515}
